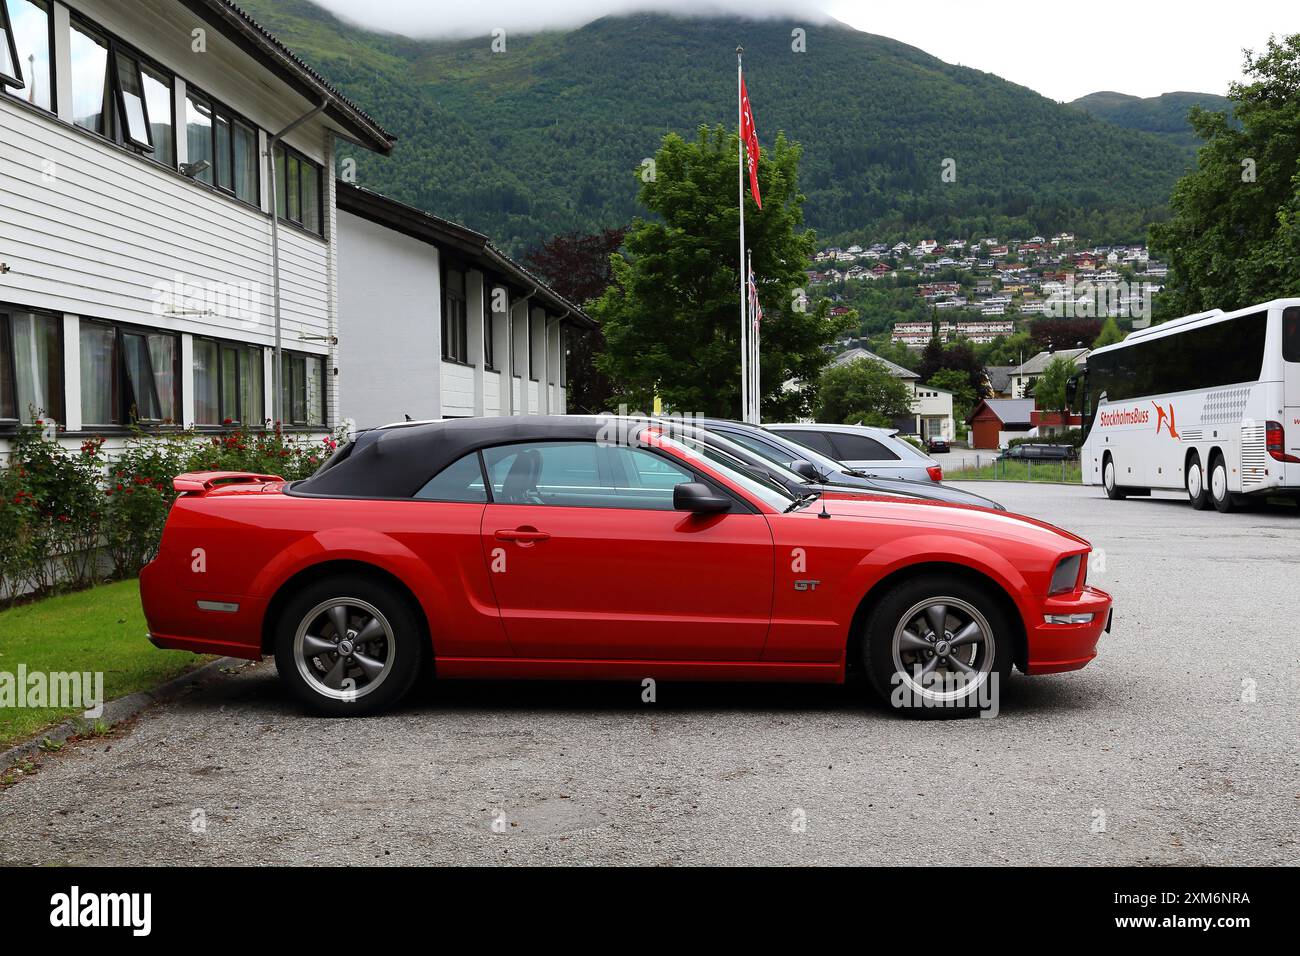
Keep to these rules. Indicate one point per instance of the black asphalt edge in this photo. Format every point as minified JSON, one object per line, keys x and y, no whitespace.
{"x":123,"y":708}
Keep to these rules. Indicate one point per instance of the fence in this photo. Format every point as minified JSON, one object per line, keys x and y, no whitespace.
{"x":993,"y":467}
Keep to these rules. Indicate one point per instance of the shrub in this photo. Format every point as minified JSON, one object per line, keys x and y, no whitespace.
{"x":62,"y":510}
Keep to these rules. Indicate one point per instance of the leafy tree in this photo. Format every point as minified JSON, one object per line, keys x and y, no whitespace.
{"x":671,"y":316}
{"x":1049,"y":389}
{"x":1110,"y":334}
{"x":1063,"y":333}
{"x":1008,"y":349}
{"x":957,"y":381}
{"x":1234,"y":237}
{"x":862,"y":392}
{"x":578,"y":267}
{"x":931,"y":357}
{"x":895,"y":352}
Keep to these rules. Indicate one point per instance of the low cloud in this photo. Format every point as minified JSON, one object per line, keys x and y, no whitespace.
{"x":420,"y":18}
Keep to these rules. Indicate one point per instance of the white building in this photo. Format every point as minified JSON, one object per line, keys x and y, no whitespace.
{"x":137,"y":235}
{"x":435,"y":322}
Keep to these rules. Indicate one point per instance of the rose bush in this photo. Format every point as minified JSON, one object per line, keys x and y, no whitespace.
{"x":71,"y":516}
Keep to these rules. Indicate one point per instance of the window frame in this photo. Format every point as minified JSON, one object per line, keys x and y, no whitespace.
{"x":117,"y":134}
{"x":51,"y":55}
{"x":6,"y":79}
{"x":489,"y":324}
{"x":218,"y":110}
{"x":282,"y":193}
{"x":58,"y":391}
{"x":223,"y":414}
{"x":286,"y":408}
{"x":461,"y":356}
{"x":120,"y":381}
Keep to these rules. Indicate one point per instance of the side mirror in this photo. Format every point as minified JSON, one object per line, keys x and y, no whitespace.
{"x":697,"y":497}
{"x":806,"y":469}
{"x":1072,"y":392}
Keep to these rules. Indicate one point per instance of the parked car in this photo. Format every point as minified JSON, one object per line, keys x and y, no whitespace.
{"x":818,"y":468}
{"x":876,"y":451}
{"x":811,"y":480}
{"x":937,"y":446}
{"x":1040,"y":452}
{"x":534,"y":547}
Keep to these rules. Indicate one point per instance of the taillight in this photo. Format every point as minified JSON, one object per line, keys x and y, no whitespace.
{"x":1275,"y":440}
{"x":935,"y":472}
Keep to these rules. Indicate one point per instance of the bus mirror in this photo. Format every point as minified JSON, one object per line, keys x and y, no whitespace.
{"x":1072,"y":393}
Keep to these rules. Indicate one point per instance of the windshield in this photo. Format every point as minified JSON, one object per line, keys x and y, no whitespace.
{"x":760,"y":486}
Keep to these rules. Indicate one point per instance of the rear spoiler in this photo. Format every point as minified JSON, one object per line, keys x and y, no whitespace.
{"x":204,"y":481}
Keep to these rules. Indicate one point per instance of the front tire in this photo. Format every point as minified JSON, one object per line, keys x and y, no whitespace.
{"x":1197,"y":493}
{"x":1219,"y":493}
{"x":1110,"y":481}
{"x":937,"y":646}
{"x":348,"y":646}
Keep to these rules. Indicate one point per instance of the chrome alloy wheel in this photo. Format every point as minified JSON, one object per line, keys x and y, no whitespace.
{"x":943,"y":649}
{"x":344,"y":648}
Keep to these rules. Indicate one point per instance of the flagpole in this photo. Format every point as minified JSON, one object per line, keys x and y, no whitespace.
{"x":740,"y":192}
{"x":754,"y":393}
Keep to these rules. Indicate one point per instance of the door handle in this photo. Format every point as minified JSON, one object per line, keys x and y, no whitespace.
{"x":522,"y":535}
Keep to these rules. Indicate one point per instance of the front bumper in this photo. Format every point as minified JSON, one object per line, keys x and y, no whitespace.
{"x":1067,"y":647}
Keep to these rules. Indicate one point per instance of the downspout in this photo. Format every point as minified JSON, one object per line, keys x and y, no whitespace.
{"x":271,"y":142}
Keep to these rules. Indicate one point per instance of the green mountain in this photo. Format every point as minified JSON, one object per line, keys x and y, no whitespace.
{"x":548,"y":136}
{"x":1165,"y":115}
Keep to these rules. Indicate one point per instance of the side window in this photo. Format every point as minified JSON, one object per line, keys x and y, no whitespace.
{"x":817,"y":441}
{"x":1291,"y":334}
{"x":462,"y":480}
{"x":860,"y":448}
{"x":583,"y":475}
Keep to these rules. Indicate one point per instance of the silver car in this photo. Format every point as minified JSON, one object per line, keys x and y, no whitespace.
{"x":874,"y":451}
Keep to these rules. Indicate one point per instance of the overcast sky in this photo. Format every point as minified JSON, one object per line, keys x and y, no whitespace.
{"x":1061,"y":50}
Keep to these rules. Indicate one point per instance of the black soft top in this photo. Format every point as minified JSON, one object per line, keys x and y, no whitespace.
{"x":397,"y":461}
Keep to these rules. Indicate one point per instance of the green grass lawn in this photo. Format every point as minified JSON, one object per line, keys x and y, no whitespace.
{"x":1017,"y":471}
{"x":101,"y":629}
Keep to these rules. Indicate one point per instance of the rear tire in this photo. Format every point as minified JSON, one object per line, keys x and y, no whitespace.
{"x":937,"y":646}
{"x":1110,"y":481}
{"x":348,"y":645}
{"x":1197,"y":493}
{"x":1219,"y":493}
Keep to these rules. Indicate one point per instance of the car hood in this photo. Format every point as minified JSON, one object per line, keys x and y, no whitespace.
{"x":951,"y":516}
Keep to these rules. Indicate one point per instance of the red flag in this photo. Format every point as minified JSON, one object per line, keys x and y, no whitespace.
{"x":750,"y":137}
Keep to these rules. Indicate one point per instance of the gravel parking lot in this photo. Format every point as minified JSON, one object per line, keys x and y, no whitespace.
{"x":1178,"y":745}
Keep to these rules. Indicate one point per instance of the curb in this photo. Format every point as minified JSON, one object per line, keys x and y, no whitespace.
{"x":123,"y":708}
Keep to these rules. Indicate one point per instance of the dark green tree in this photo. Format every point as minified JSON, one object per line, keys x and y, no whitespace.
{"x":671,"y":317}
{"x":1110,"y":334}
{"x":1234,"y":237}
{"x":862,"y":392}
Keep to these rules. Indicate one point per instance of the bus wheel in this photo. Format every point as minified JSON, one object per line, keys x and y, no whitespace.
{"x":1109,"y":481}
{"x":1196,"y":491}
{"x":1219,"y":493}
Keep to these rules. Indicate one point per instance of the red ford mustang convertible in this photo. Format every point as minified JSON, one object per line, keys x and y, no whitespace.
{"x":567,"y":547}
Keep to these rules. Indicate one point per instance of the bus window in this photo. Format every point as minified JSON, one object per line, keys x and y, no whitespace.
{"x":1291,"y":334}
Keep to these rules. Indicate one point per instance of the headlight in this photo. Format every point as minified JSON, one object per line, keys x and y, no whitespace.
{"x":1066,"y":574}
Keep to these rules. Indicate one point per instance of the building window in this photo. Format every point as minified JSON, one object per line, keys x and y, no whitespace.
{"x":489,"y":325}
{"x":91,"y":104}
{"x":298,"y":189}
{"x":120,"y":96}
{"x":31,"y":366}
{"x":226,"y":143}
{"x":302,"y":388}
{"x":455,"y":317}
{"x":26,"y":68}
{"x":128,"y":375}
{"x":228,"y":385}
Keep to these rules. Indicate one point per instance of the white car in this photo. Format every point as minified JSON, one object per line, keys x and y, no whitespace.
{"x":873,"y":451}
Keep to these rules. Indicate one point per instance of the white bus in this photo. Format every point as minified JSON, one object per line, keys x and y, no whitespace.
{"x":1209,"y":403}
